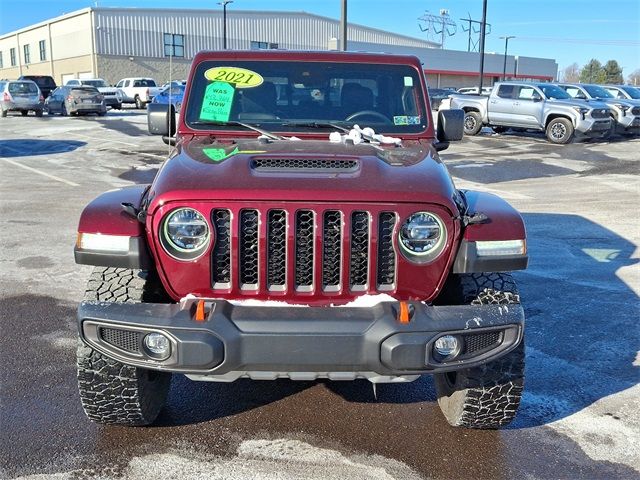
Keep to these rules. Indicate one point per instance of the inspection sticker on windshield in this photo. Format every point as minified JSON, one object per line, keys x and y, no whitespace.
{"x":239,"y":77}
{"x":217,"y":102}
{"x":406,"y":120}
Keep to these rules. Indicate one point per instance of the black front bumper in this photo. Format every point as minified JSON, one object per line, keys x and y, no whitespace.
{"x":306,"y":339}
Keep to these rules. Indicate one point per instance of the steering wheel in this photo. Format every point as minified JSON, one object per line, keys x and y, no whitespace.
{"x":370,"y":113}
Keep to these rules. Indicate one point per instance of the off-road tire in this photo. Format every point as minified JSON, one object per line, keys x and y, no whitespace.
{"x":111,"y":392}
{"x":472,"y":123}
{"x":487,"y":396}
{"x":139,"y":102}
{"x":559,"y":130}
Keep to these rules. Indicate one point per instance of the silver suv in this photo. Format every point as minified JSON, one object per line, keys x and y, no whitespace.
{"x":626,"y":113}
{"x":21,"y":96}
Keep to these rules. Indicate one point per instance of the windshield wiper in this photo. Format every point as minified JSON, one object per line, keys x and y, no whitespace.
{"x":234,"y":123}
{"x":316,"y":125}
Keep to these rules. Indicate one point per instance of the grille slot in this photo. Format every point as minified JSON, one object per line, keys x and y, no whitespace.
{"x":600,"y":113}
{"x":303,"y":164}
{"x":304,"y":250}
{"x":331,"y":250}
{"x":475,"y":342}
{"x":221,"y":255}
{"x":277,"y":250}
{"x":359,"y":259}
{"x":248,"y":251}
{"x":386,"y":274}
{"x":126,"y":340}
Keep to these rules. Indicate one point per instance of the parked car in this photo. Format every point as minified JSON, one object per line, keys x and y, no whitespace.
{"x":625,"y":113}
{"x":112,"y":95}
{"x":22,"y":96}
{"x":436,"y":95}
{"x":76,"y":100}
{"x":45,"y":83}
{"x":400,"y":273}
{"x":537,"y":106}
{"x":138,"y":90}
{"x":623,"y":91}
{"x":474,"y":90}
{"x":173,"y":95}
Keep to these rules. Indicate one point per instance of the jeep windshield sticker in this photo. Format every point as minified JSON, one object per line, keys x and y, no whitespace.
{"x":406,"y":120}
{"x":217,"y":102}
{"x":239,"y":77}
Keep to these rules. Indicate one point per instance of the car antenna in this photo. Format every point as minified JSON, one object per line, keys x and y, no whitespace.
{"x":172,"y":118}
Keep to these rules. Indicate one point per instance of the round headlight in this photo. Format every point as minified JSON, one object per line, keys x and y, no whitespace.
{"x":185,"y":233}
{"x":422,"y":236}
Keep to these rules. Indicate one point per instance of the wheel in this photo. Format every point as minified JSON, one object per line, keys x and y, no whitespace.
{"x":487,"y":396}
{"x":500,"y":129}
{"x":3,"y":112}
{"x":24,"y":113}
{"x":118,"y":106}
{"x":102,"y":114}
{"x":112,"y":392}
{"x":38,"y":113}
{"x":560,"y":130}
{"x":139,"y":102}
{"x":63,"y":110}
{"x":472,"y":123}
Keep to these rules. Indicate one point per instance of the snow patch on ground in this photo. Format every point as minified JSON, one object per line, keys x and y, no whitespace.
{"x":280,"y":459}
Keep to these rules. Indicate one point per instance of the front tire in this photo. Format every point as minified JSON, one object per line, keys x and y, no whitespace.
{"x":486,"y":396}
{"x":560,"y":130}
{"x":112,"y":392}
{"x":139,"y":103}
{"x":472,"y":123}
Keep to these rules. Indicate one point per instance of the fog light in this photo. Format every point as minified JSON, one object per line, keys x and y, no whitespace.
{"x":446,"y":345}
{"x":158,"y":345}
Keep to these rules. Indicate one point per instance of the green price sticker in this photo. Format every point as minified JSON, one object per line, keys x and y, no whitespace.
{"x":217,"y":102}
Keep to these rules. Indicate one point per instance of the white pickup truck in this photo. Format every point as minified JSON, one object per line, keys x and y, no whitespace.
{"x":532,"y":106}
{"x":138,"y":90}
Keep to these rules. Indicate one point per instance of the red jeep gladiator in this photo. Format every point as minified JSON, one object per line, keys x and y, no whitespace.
{"x":303,"y":227}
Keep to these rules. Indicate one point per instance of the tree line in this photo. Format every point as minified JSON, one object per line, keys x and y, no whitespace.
{"x":596,"y":72}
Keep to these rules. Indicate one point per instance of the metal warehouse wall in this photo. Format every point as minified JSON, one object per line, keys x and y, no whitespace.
{"x":139,"y":32}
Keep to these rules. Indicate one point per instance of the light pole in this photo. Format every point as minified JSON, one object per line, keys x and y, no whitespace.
{"x":224,"y":4}
{"x":506,"y":46}
{"x":483,"y":31}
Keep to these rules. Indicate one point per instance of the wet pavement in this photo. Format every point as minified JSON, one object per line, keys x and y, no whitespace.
{"x":580,"y":413}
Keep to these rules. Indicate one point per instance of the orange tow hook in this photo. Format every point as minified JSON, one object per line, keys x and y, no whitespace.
{"x":200,"y":313}
{"x":404,"y":315}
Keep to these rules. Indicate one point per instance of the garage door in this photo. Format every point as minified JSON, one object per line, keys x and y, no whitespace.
{"x":82,"y":75}
{"x":67,"y":76}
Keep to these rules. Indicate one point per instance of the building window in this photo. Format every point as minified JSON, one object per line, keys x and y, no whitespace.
{"x":12,"y":55}
{"x":43,"y":50}
{"x":173,"y":45}
{"x":27,"y":54}
{"x":263,"y":45}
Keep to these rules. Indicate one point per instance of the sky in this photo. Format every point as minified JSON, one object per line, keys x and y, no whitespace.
{"x":567,"y":30}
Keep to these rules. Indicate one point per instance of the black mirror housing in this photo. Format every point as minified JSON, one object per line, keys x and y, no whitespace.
{"x":161,"y":119}
{"x":450,"y":125}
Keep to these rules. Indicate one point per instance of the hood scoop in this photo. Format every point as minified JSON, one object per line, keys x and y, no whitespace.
{"x":303,"y":165}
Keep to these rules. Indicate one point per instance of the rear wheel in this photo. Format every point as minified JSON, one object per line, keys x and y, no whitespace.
{"x":24,"y":113}
{"x":3,"y":112}
{"x":487,"y":396}
{"x":63,"y":110}
{"x":112,"y":392}
{"x":139,"y":102}
{"x":560,"y":130}
{"x":38,"y":113}
{"x":472,"y":123}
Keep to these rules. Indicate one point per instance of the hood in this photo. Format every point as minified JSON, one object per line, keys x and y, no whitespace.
{"x":579,"y":103}
{"x":289,"y":170}
{"x":611,"y":102}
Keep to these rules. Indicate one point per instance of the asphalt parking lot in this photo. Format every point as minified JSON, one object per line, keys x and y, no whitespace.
{"x":580,"y":416}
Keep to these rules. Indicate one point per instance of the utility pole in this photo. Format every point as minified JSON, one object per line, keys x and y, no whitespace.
{"x":482,"y":34}
{"x":343,"y":26}
{"x":506,"y":46}
{"x":224,"y":4}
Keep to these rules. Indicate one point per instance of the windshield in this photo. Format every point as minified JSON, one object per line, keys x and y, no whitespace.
{"x":144,"y":83}
{"x":95,"y":83}
{"x":553,"y":92}
{"x":22,"y":88}
{"x":275,"y":94}
{"x":84,"y":90}
{"x":42,"y":81}
{"x":632,"y":91}
{"x":597,"y":92}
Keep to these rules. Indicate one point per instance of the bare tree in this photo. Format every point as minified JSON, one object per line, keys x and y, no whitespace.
{"x":634,"y":77}
{"x":571,"y":73}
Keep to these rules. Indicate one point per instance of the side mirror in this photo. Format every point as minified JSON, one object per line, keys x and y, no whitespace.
{"x":536,"y":98}
{"x":450,"y":127}
{"x":161,"y":119}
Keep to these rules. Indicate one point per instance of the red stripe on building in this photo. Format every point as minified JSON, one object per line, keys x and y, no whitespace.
{"x":486,"y":74}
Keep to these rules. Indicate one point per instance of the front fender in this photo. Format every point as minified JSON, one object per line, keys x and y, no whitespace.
{"x":503,"y":223}
{"x":110,"y":237}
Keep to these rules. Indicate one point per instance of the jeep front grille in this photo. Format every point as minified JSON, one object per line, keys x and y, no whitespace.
{"x":304,"y":250}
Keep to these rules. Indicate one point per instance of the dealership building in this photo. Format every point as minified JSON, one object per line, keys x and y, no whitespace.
{"x":113,"y":43}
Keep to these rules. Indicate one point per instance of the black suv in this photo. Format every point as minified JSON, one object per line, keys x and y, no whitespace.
{"x":46,"y":83}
